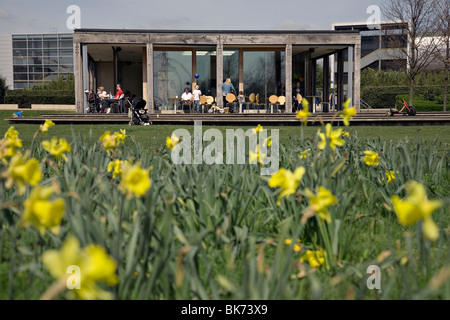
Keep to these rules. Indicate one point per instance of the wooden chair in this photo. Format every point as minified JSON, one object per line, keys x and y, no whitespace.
{"x":281,"y":101}
{"x":231,"y":98}
{"x":203,"y":102}
{"x":273,"y":99}
{"x":251,"y":99}
{"x":257,"y":101}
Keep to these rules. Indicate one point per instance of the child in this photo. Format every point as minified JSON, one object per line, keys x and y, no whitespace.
{"x":241,"y":100}
{"x":18,"y":114}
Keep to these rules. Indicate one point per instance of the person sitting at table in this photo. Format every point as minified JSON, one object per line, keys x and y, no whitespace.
{"x":106,"y":103}
{"x":186,"y":98}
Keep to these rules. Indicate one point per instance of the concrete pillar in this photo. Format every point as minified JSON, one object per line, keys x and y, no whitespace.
{"x":241,"y":70}
{"x":340,"y":80}
{"x":144,"y":74}
{"x":309,"y":78}
{"x":150,"y":102}
{"x":77,"y":69}
{"x":350,"y":71}
{"x":288,"y":81}
{"x":326,"y":83}
{"x":84,"y":59}
{"x":357,"y":77}
{"x":219,"y":59}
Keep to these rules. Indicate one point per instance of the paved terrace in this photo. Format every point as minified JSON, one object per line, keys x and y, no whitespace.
{"x":374,"y":118}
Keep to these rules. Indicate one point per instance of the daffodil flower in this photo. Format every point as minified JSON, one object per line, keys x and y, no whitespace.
{"x":22,"y":171}
{"x":390,"y":176}
{"x":371,"y":158}
{"x":94,"y":263}
{"x":416,"y":207}
{"x":120,"y":136}
{"x":9,"y":145}
{"x":172,"y":141}
{"x":320,"y":202}
{"x":347,"y":113}
{"x":287,"y":180}
{"x":315,"y":258}
{"x":303,"y":115}
{"x":134,"y":180}
{"x":42,"y":213}
{"x":334,"y":138}
{"x":296,"y":247}
{"x":305,"y":154}
{"x":57,"y":148}
{"x":257,"y":156}
{"x":108,"y":141}
{"x":116,"y":167}
{"x":47,"y":124}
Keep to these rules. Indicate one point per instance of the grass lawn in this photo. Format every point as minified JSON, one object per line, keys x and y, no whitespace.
{"x":155,"y":135}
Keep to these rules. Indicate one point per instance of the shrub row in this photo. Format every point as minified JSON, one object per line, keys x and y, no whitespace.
{"x":25,"y":98}
{"x":385,"y":97}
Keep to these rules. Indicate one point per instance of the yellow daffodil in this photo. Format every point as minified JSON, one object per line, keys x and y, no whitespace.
{"x":259,"y":128}
{"x":320,"y":202}
{"x":134,"y":180}
{"x":57,"y":148}
{"x":347,"y":113}
{"x":334,"y":138}
{"x":315,"y":258}
{"x":416,"y":207}
{"x":303,"y":114}
{"x":9,"y":144}
{"x":371,"y":158}
{"x":305,"y":154}
{"x":116,"y":167}
{"x":287,"y":181}
{"x":47,"y":124}
{"x":296,"y":247}
{"x":94,"y":263}
{"x":345,"y":134}
{"x":22,"y":171}
{"x":120,"y":136}
{"x":108,"y":141}
{"x":390,"y":176}
{"x":172,"y":141}
{"x":257,"y":156}
{"x":42,"y":213}
{"x":267,"y":142}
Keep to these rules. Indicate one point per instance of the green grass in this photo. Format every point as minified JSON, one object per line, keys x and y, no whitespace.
{"x":216,"y":231}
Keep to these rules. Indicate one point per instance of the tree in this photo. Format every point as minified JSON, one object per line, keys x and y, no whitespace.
{"x":3,"y":89}
{"x":443,"y":52}
{"x":419,"y":16}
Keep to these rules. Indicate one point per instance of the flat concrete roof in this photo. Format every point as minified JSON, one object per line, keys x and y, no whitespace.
{"x":87,"y":30}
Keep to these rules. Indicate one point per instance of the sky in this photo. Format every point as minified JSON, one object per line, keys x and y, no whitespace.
{"x":48,"y":16}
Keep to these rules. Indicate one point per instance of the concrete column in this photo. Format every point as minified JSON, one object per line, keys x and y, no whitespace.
{"x":150,"y":103}
{"x":144,"y":74}
{"x":219,"y":65}
{"x":194,"y":68}
{"x":84,"y":59}
{"x":340,"y":80}
{"x":326,"y":83}
{"x":350,"y":71}
{"x":357,"y":77}
{"x":309,"y":79}
{"x":77,"y":68}
{"x":288,"y":81}
{"x":241,"y":70}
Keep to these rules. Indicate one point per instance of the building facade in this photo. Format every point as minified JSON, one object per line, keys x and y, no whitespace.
{"x":159,"y":64}
{"x":35,"y":59}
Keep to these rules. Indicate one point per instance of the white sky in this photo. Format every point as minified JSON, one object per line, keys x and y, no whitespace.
{"x":43,"y":16}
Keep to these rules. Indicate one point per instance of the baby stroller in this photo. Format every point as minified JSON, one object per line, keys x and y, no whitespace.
{"x":139,"y":115}
{"x":92,"y":101}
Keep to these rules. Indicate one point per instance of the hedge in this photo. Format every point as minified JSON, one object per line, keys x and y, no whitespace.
{"x":385,"y":97}
{"x":25,"y":98}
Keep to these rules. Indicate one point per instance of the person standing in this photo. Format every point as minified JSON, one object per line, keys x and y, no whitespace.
{"x":197,"y":93}
{"x":241,"y":100}
{"x":296,"y":91}
{"x":227,"y":87}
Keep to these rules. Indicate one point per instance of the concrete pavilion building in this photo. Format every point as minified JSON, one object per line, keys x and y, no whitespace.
{"x":158,"y":64}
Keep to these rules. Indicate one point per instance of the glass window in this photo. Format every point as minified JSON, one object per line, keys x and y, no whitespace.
{"x":35,"y":76}
{"x":20,"y":76}
{"x":51,"y":44}
{"x":66,"y":52}
{"x":35,"y":52}
{"x":206,"y":69}
{"x":18,"y":85}
{"x":19,"y":44}
{"x":66,"y":44}
{"x":66,"y":60}
{"x":35,"y":44}
{"x":20,"y":69}
{"x":20,"y":61}
{"x":172,"y":73}
{"x":20,"y":52}
{"x":35,"y":68}
{"x":50,"y":52}
{"x":231,"y":66}
{"x":264,"y":74}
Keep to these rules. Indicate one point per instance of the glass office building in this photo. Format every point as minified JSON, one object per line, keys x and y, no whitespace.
{"x":40,"y":58}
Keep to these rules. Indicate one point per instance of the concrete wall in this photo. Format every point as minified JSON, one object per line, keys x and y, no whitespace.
{"x":6,"y":60}
{"x":131,"y":75}
{"x":105,"y":76}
